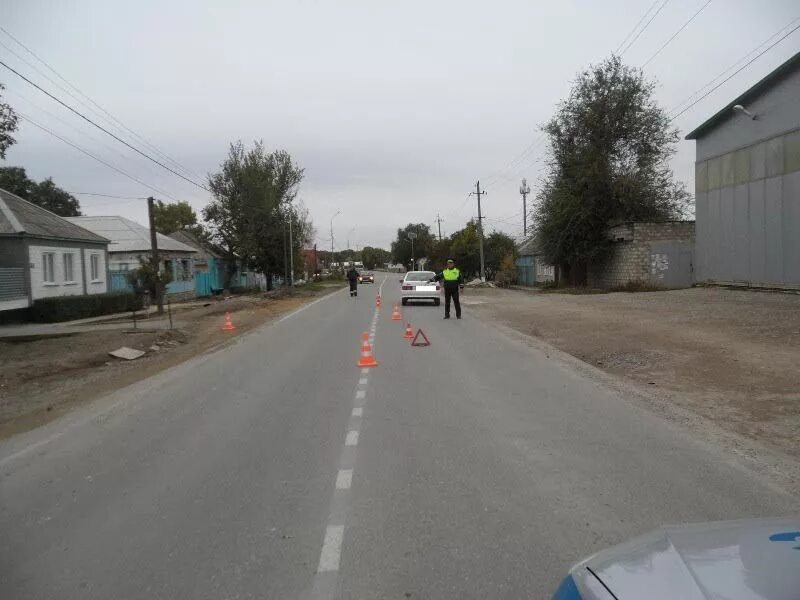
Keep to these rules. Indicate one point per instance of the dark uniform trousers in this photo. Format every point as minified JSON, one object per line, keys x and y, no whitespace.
{"x":451,"y":291}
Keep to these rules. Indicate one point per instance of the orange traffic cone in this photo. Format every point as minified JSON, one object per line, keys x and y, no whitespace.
{"x":367,"y":359}
{"x":396,"y":316}
{"x":365,"y":347}
{"x":409,"y":332}
{"x":378,"y":300}
{"x":228,"y":326}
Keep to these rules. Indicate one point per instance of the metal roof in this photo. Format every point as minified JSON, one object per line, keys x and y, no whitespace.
{"x":529,"y":247}
{"x":18,"y":216}
{"x":188,"y":238}
{"x":127,"y":235}
{"x":776,"y":76}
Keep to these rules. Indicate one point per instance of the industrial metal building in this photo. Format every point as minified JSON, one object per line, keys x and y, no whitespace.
{"x":747,"y":186}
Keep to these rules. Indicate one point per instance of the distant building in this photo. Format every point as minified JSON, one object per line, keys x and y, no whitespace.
{"x":652,"y":253}
{"x":210,"y":267}
{"x":43,"y":255}
{"x":532,"y":268}
{"x":130,"y":244}
{"x":747,"y":186}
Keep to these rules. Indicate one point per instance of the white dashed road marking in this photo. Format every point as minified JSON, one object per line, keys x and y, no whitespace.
{"x":344,"y":479}
{"x":325,"y":582}
{"x":331,"y":549}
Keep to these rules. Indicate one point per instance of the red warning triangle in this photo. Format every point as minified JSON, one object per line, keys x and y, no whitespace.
{"x":414,"y":342}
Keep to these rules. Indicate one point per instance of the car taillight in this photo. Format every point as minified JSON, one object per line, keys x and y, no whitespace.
{"x":408,"y":287}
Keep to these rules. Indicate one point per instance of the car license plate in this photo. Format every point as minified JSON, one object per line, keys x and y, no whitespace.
{"x":426,"y":288}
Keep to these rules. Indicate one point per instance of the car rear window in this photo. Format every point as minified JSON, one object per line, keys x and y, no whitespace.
{"x":421,"y":276}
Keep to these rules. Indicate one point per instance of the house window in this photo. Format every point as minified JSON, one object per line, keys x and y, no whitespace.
{"x":186,"y":273}
{"x":168,"y":268}
{"x":69,"y":263}
{"x":94,"y":266}
{"x":49,"y":267}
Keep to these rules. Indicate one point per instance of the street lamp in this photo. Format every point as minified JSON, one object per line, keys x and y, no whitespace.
{"x":411,"y":237}
{"x":336,"y":214}
{"x":741,"y":109}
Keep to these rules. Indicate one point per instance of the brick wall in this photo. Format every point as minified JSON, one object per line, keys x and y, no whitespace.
{"x":630,"y":259}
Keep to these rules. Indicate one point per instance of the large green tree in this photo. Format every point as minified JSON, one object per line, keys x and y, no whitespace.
{"x":497,"y":247}
{"x":172,"y":217}
{"x":423,"y":243}
{"x":8,"y":125}
{"x":374,"y":257}
{"x":465,"y":249}
{"x":252,"y":205}
{"x":610,"y":144}
{"x":44,"y":193}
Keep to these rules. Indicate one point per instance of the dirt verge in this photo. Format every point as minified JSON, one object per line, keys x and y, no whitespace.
{"x":42,"y":378}
{"x":729,"y":356}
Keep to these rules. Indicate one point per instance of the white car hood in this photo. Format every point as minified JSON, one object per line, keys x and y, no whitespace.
{"x":730,"y":560}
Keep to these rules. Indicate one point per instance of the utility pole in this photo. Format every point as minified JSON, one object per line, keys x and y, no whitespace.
{"x":285,"y":259}
{"x":524,"y":189}
{"x":154,"y":262}
{"x":332,"y":218}
{"x":291,"y":254}
{"x":316,"y":262}
{"x":439,"y":223}
{"x":412,"y":236}
{"x":479,"y":193}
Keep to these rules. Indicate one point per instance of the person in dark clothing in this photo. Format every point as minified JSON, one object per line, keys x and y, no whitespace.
{"x":352,"y":277}
{"x":453,"y":282}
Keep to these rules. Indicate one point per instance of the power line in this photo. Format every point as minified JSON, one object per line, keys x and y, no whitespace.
{"x":109,"y":117}
{"x":733,"y":66}
{"x":70,"y":125}
{"x":101,"y":128}
{"x":108,"y":196}
{"x":90,"y":155}
{"x":646,"y":25}
{"x":674,"y":35}
{"x":525,"y":153}
{"x":635,"y":27}
{"x":739,"y":70}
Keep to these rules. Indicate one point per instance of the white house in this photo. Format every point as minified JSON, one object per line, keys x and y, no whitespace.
{"x":129,"y":243}
{"x":44,"y":255}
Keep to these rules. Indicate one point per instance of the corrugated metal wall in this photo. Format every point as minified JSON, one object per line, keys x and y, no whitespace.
{"x":748,"y":215}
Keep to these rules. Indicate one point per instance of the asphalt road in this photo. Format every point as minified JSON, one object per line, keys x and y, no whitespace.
{"x":275,"y":468}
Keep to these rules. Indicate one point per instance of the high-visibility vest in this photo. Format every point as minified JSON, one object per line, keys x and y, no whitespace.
{"x":451,"y":274}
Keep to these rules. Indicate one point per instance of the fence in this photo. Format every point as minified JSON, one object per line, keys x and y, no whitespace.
{"x":119,"y":282}
{"x":525,"y":271}
{"x":12,"y":283}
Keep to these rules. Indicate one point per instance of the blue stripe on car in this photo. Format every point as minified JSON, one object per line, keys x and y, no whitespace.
{"x":567,"y":590}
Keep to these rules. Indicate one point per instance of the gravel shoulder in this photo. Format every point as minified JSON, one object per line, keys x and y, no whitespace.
{"x":729,"y":357}
{"x":41,"y":379}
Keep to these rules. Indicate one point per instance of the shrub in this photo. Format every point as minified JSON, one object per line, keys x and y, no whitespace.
{"x":68,"y":308}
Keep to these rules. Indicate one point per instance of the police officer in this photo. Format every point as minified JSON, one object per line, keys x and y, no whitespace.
{"x":453,"y":281}
{"x":352,"y":277}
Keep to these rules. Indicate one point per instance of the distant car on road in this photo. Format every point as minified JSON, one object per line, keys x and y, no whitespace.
{"x":417,"y":285}
{"x":748,"y":559}
{"x":366,"y":278}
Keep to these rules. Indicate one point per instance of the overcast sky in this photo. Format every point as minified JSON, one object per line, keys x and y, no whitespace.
{"x":394,"y":109}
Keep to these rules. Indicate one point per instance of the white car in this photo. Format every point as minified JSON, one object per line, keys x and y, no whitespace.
{"x":417,"y":285}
